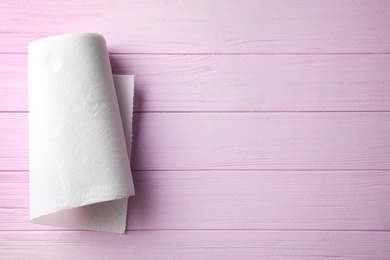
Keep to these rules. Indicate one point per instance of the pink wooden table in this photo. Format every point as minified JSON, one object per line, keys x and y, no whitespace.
{"x":262,"y":128}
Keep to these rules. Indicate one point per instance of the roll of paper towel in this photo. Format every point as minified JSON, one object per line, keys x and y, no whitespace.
{"x":80,"y":173}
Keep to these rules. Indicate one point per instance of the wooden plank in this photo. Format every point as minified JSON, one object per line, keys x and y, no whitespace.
{"x":14,"y":141}
{"x":251,"y":141}
{"x":211,"y":245}
{"x":218,"y":26}
{"x":266,"y":200}
{"x":235,"y":83}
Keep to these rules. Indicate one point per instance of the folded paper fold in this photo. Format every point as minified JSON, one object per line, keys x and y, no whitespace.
{"x":80,"y":174}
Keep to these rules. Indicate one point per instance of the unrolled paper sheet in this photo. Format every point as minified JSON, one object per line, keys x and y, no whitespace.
{"x":80,"y":173}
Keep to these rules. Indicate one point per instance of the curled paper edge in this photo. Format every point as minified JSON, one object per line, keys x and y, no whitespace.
{"x":115,"y":207}
{"x":108,"y":210}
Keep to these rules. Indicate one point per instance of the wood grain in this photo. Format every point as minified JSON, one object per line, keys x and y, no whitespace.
{"x":239,"y":200}
{"x":235,"y":82}
{"x":218,"y":26}
{"x":262,"y":128}
{"x":196,"y":245}
{"x":250,"y":141}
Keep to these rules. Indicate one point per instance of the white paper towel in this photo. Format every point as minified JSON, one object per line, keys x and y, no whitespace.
{"x":80,"y":173}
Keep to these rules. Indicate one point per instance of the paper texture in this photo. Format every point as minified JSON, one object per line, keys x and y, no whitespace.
{"x":80,"y":173}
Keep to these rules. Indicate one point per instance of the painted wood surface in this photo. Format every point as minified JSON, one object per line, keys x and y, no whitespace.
{"x":235,"y":82}
{"x":248,"y":141}
{"x":196,"y":245}
{"x":262,"y":128}
{"x":239,"y":200}
{"x":217,"y":26}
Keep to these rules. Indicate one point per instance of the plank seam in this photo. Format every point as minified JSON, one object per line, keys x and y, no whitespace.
{"x":234,"y":53}
{"x":233,"y":111}
{"x":234,"y":170}
{"x":204,"y":230}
